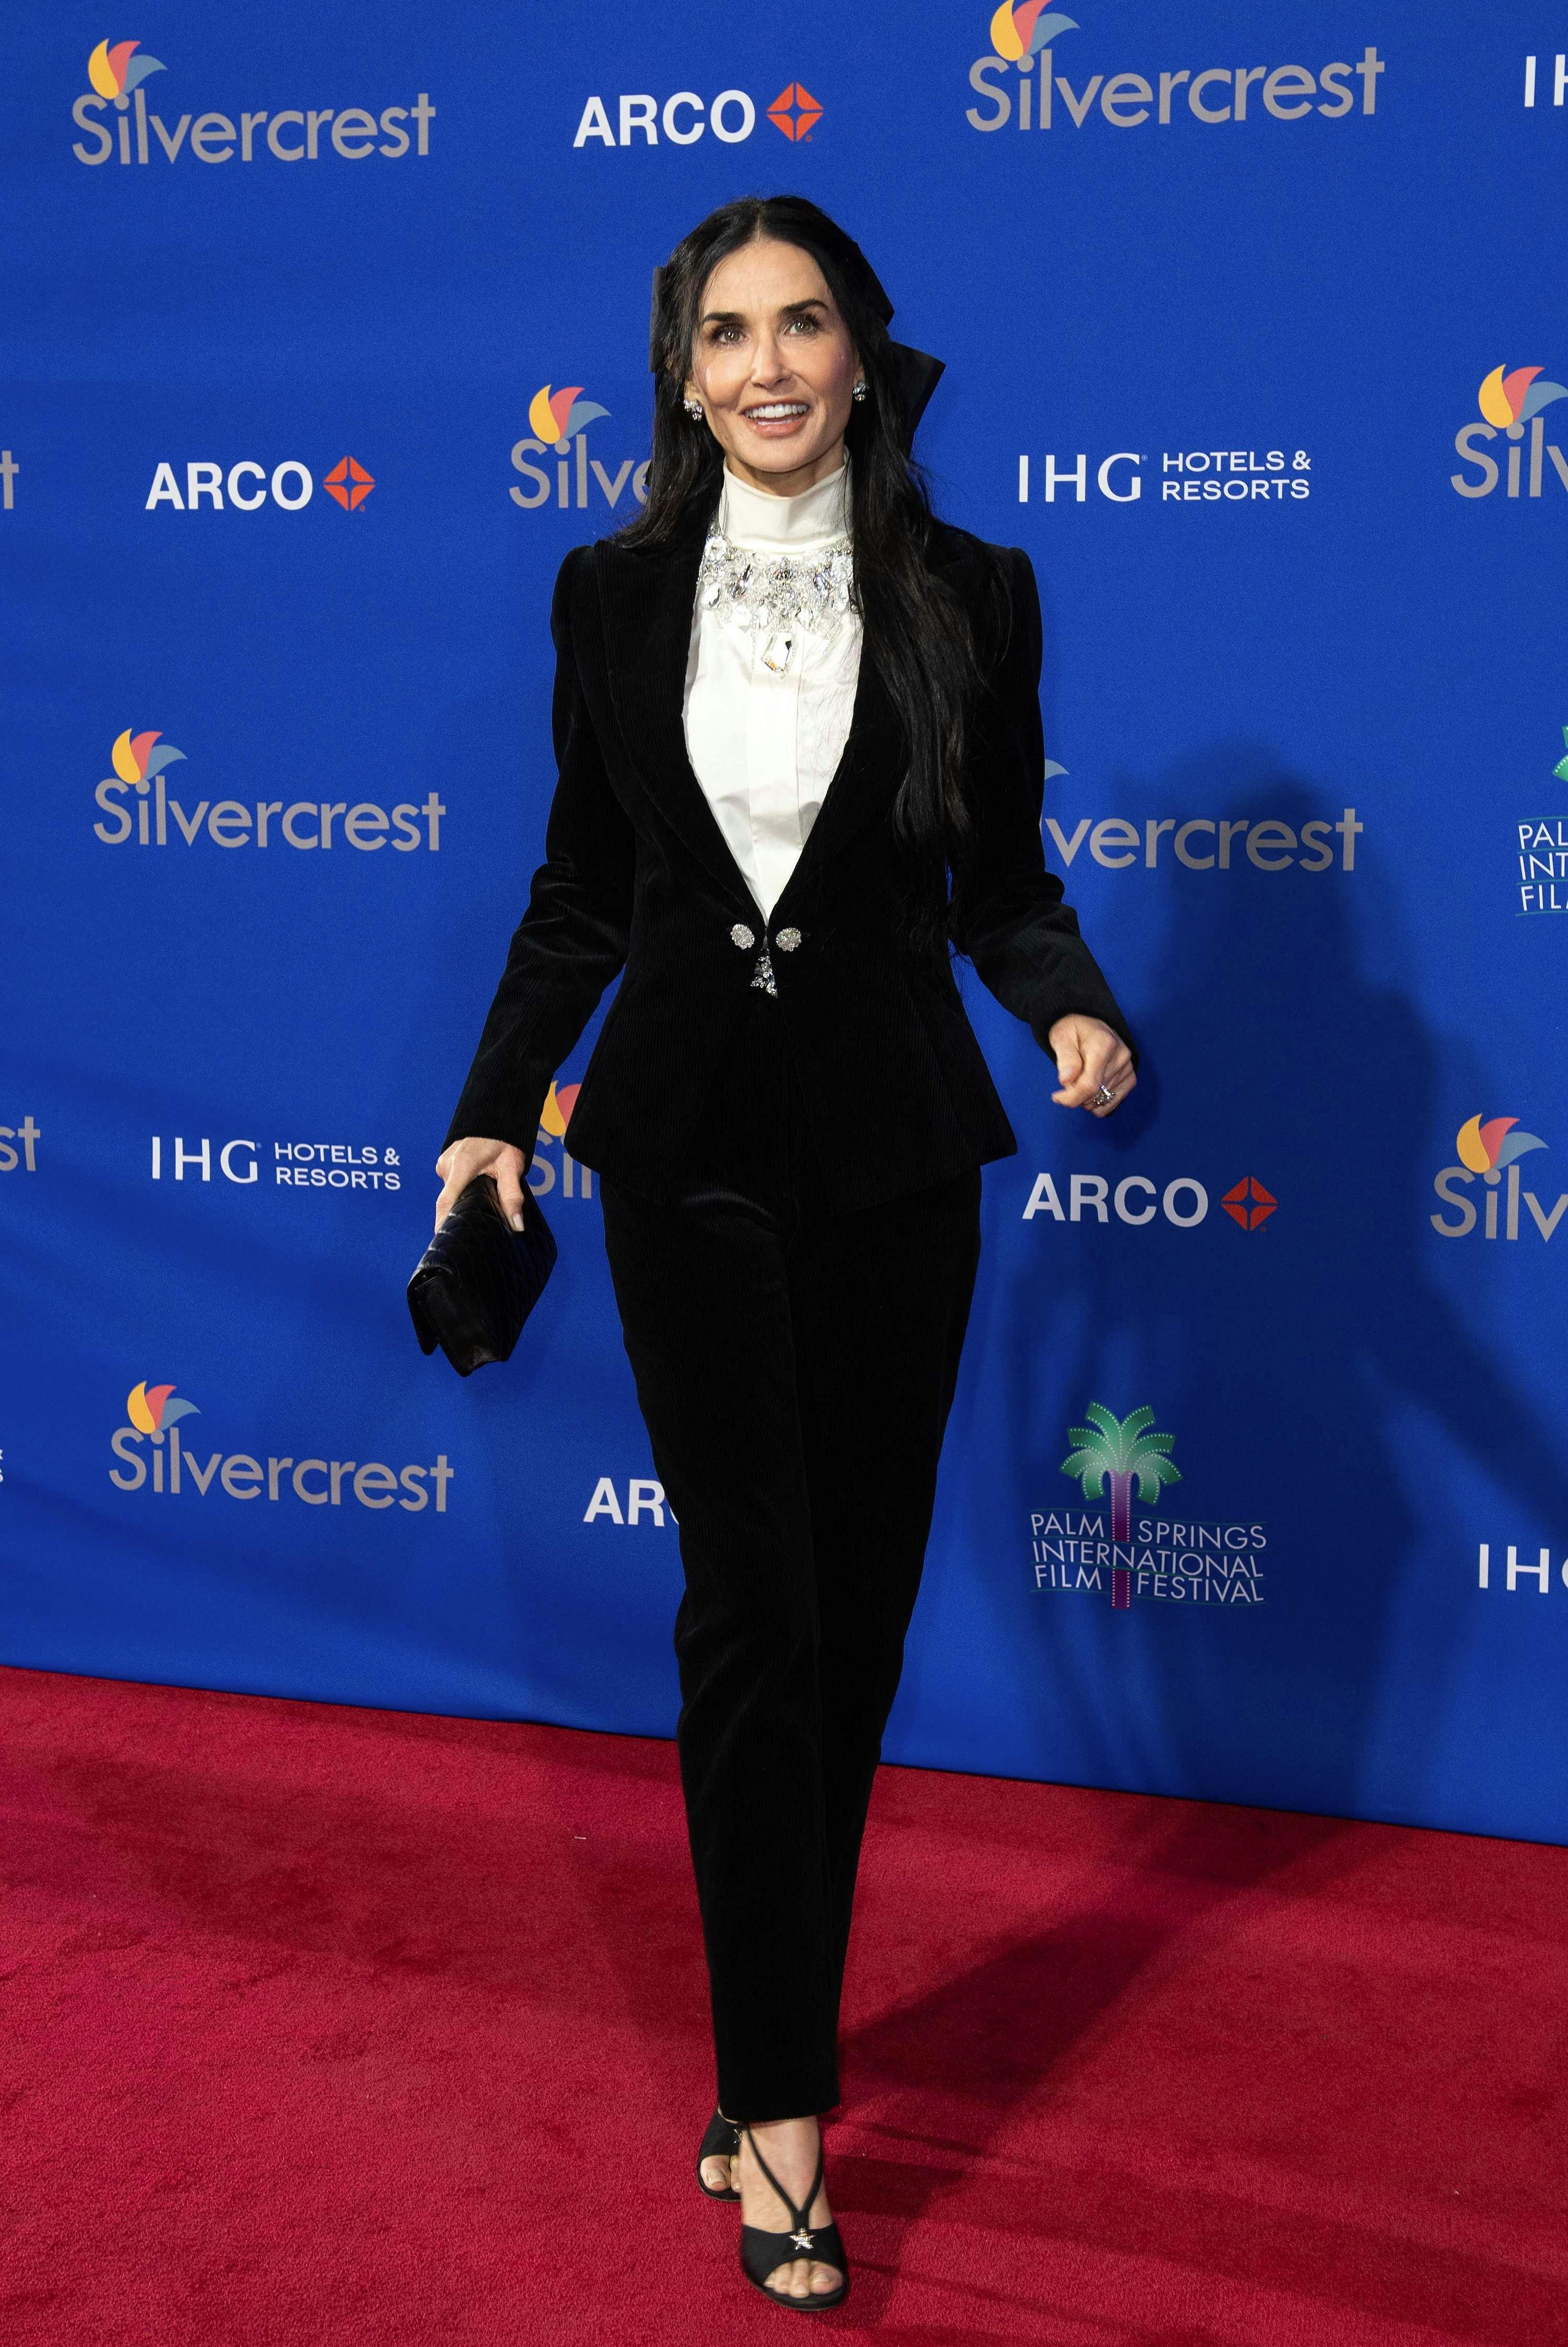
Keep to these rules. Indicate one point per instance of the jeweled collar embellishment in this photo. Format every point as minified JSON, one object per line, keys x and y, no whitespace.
{"x":776,"y":596}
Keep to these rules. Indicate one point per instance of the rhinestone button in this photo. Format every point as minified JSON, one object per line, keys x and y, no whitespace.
{"x":787,"y":940}
{"x":741,"y":936}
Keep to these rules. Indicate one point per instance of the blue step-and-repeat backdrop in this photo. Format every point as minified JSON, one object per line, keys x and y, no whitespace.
{"x":327,"y":339}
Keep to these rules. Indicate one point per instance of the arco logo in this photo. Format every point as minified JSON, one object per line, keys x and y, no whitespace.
{"x":1024,"y":31}
{"x":645,"y":1503}
{"x":202,"y":485}
{"x":115,"y":73}
{"x":348,"y":484}
{"x":1489,"y":1149}
{"x":636,"y":117}
{"x":558,"y":421}
{"x":794,"y":111}
{"x":1137,"y":1199}
{"x":1249,"y":1203}
{"x":557,"y":416}
{"x":153,"y":1409}
{"x":1509,"y":399}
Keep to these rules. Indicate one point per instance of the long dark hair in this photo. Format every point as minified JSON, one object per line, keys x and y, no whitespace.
{"x":917,"y":633}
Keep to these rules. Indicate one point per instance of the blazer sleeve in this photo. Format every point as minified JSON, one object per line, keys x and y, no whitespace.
{"x":1021,"y":938}
{"x":572,"y":939}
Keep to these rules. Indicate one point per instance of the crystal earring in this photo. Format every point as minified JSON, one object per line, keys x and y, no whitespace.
{"x":693,"y":408}
{"x":859,"y":391}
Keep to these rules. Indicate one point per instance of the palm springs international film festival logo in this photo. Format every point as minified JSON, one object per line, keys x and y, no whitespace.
{"x":117,"y":69}
{"x":137,"y":807}
{"x":557,"y":429}
{"x":156,"y":1458}
{"x":1118,"y":1556}
{"x":1509,"y":399}
{"x":1018,"y":83}
{"x":1490,"y":1150}
{"x":1542,"y":851}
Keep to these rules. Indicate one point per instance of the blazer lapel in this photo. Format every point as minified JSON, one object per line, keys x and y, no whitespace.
{"x":863,"y":783}
{"x":648,"y":597}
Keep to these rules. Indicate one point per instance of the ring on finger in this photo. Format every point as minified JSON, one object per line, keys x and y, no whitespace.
{"x":1103,"y":1097}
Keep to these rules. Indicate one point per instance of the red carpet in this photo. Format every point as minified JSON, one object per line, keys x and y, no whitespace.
{"x":325,"y":2026}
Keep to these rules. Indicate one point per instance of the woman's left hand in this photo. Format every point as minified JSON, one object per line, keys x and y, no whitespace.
{"x":1091,"y":1058}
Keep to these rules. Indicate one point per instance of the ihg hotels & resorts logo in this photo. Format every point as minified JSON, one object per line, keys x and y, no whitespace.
{"x":1110,"y":1551}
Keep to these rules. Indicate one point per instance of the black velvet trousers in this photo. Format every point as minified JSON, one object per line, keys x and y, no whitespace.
{"x":795,"y":1370}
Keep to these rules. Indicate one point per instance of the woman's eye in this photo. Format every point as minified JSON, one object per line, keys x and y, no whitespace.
{"x":803,"y":326}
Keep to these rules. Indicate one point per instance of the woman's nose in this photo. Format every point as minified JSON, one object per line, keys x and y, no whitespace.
{"x":770,"y":363}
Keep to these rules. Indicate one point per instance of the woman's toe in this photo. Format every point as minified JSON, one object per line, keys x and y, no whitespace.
{"x":825,"y":2279}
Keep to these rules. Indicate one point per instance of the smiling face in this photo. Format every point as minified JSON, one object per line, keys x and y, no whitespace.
{"x":773,"y":367}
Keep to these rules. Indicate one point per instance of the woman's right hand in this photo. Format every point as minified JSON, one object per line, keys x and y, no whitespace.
{"x":464,"y":1161}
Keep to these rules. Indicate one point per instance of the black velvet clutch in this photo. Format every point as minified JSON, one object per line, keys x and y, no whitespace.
{"x":478,"y":1279}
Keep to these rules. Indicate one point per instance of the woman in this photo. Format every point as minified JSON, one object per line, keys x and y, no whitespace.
{"x":798,"y":730}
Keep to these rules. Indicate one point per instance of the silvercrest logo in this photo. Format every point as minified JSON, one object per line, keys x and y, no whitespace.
{"x":1020,"y":83}
{"x":291,"y":135}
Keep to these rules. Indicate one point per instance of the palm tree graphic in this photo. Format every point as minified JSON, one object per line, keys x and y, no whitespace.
{"x":1121,"y":1451}
{"x":1560,"y":771}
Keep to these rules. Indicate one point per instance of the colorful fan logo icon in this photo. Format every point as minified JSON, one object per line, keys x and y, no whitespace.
{"x":555,"y":1114}
{"x":557,"y":416}
{"x":349,"y":483}
{"x":1024,"y":31}
{"x":136,"y":761}
{"x":115,"y":73}
{"x":1485,"y":1147}
{"x":1515,"y":397}
{"x":150,"y":1408}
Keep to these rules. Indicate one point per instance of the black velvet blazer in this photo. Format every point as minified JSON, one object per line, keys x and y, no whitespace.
{"x":637,"y":874}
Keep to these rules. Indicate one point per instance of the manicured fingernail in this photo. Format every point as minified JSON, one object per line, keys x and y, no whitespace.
{"x":516,"y":1222}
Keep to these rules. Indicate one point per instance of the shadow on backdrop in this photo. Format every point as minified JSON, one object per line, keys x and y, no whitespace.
{"x":1283,"y":1358}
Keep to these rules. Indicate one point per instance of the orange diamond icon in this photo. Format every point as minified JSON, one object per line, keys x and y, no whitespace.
{"x":1250,"y":1202}
{"x":349,"y":483}
{"x":794,"y":111}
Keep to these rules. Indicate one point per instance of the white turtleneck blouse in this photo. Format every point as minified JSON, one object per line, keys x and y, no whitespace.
{"x":765,"y":743}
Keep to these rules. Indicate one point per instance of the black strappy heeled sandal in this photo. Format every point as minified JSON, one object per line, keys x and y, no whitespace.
{"x":761,"y":2254}
{"x":722,"y":2141}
